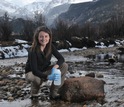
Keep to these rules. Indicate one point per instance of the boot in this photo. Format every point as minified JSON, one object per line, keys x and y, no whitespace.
{"x":34,"y":90}
{"x":54,"y":94}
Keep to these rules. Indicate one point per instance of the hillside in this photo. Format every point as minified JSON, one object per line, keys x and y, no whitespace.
{"x":95,"y":12}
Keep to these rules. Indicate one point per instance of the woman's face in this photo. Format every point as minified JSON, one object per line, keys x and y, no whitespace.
{"x":43,"y":38}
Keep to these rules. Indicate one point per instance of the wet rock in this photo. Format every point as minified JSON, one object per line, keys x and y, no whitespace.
{"x":99,"y":75}
{"x":91,"y":75}
{"x":12,"y":89}
{"x":10,"y":98}
{"x":2,"y":83}
{"x":21,"y":82}
{"x":82,"y":88}
{"x":72,"y":72}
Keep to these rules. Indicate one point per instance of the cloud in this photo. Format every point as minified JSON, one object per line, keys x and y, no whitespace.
{"x":79,"y":1}
{"x":30,"y":1}
{"x":23,"y":2}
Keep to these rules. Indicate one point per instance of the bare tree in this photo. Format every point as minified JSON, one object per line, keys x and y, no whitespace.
{"x":5,"y":27}
{"x":39,"y":19}
{"x":60,"y":30}
{"x":88,"y":30}
{"x":28,"y":30}
{"x":73,"y":30}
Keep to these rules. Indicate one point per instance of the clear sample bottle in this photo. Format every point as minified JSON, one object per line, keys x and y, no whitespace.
{"x":58,"y":81}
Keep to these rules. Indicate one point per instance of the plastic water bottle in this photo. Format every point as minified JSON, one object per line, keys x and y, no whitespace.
{"x":58,"y":82}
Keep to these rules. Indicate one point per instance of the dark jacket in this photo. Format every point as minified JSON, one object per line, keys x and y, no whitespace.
{"x":38,"y":63}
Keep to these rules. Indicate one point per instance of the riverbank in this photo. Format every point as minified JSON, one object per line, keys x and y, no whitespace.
{"x":15,"y":90}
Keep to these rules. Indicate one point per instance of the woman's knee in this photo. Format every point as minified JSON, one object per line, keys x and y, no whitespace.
{"x":32,"y":78}
{"x":64,"y":68}
{"x":29,"y":76}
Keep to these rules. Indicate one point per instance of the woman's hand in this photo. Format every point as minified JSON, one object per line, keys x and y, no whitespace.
{"x":53,"y":70}
{"x":50,"y":77}
{"x":53,"y":75}
{"x":56,"y":66}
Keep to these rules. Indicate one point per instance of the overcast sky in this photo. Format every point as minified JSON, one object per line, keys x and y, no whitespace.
{"x":20,"y":2}
{"x":24,"y":2}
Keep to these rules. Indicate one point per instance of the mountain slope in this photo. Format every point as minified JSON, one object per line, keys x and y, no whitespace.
{"x":50,"y":9}
{"x":96,"y":12}
{"x":55,"y":12}
{"x":5,"y":6}
{"x":28,"y":11}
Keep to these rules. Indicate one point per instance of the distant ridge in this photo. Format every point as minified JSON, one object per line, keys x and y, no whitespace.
{"x":95,"y":12}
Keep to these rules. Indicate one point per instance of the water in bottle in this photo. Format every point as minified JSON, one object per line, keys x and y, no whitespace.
{"x":58,"y":81}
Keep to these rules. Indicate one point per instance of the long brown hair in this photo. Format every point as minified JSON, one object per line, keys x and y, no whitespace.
{"x":36,"y":44}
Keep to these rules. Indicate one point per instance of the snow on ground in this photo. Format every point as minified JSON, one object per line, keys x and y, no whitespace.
{"x":22,"y":50}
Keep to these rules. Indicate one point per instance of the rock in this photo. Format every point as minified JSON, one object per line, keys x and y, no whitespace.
{"x":10,"y":98}
{"x":99,"y":75}
{"x":20,"y":83}
{"x":91,"y":75}
{"x":2,"y":83}
{"x":81,"y":89}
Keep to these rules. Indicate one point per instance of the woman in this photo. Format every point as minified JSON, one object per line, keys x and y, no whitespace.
{"x":38,"y":67}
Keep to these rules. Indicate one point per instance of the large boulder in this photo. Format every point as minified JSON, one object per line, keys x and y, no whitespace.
{"x":62,"y":44}
{"x":76,"y":42}
{"x":82,"y":88}
{"x":88,"y":43}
